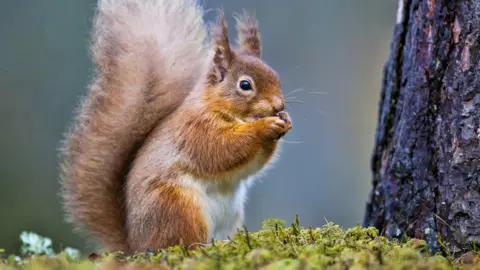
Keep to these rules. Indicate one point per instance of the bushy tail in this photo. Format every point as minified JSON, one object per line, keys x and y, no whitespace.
{"x":148,"y":54}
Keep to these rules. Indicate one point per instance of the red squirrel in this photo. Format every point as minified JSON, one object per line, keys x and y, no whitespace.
{"x":175,"y":126}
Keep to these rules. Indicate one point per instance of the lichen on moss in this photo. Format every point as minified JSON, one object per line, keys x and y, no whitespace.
{"x":274,"y":247}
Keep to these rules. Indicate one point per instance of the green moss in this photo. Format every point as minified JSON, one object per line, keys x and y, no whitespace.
{"x":274,"y":247}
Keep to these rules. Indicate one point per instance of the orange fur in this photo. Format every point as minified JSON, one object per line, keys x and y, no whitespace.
{"x":166,"y":139}
{"x":168,"y":217}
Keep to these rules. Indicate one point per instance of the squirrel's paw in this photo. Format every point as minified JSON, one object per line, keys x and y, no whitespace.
{"x":288,"y":122}
{"x":274,"y":127}
{"x":285,"y":117}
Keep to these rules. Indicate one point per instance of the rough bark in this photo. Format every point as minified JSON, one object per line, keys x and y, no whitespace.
{"x":426,"y":159}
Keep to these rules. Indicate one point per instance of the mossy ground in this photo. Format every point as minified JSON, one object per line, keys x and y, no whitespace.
{"x":274,"y":247}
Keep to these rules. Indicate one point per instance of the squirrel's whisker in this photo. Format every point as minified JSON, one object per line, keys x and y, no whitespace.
{"x":294,"y":91}
{"x":292,"y":142}
{"x":295,"y":101}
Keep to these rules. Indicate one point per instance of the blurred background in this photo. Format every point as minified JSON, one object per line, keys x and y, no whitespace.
{"x":335,"y":48}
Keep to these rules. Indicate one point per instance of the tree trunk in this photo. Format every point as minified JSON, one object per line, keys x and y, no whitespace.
{"x":426,"y":160}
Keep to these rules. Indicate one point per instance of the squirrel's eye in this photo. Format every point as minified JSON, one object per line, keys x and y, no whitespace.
{"x":245,"y":85}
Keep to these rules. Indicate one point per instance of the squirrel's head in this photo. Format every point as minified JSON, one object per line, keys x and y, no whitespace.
{"x":239,"y":83}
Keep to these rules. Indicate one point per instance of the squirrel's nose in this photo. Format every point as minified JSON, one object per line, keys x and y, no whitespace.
{"x":278,"y":104}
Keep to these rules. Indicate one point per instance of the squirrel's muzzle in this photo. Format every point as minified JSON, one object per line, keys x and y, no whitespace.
{"x":278,"y":104}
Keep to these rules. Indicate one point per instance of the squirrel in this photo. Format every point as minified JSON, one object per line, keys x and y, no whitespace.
{"x":175,"y":126}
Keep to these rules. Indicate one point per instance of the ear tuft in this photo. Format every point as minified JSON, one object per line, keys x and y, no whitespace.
{"x":223,"y":54}
{"x":248,"y":39}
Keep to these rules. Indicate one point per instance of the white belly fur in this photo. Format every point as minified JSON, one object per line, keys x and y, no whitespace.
{"x":221,"y":206}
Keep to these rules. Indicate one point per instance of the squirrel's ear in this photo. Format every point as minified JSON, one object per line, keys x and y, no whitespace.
{"x":248,"y":35}
{"x":223,"y":55}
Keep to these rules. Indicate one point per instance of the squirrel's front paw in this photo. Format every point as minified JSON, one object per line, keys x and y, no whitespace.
{"x":274,"y":127}
{"x":288,"y":121}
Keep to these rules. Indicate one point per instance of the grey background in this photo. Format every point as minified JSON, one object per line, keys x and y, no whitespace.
{"x":332,"y":46}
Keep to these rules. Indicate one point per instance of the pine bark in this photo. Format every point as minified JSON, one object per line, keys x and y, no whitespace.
{"x":426,"y":159}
